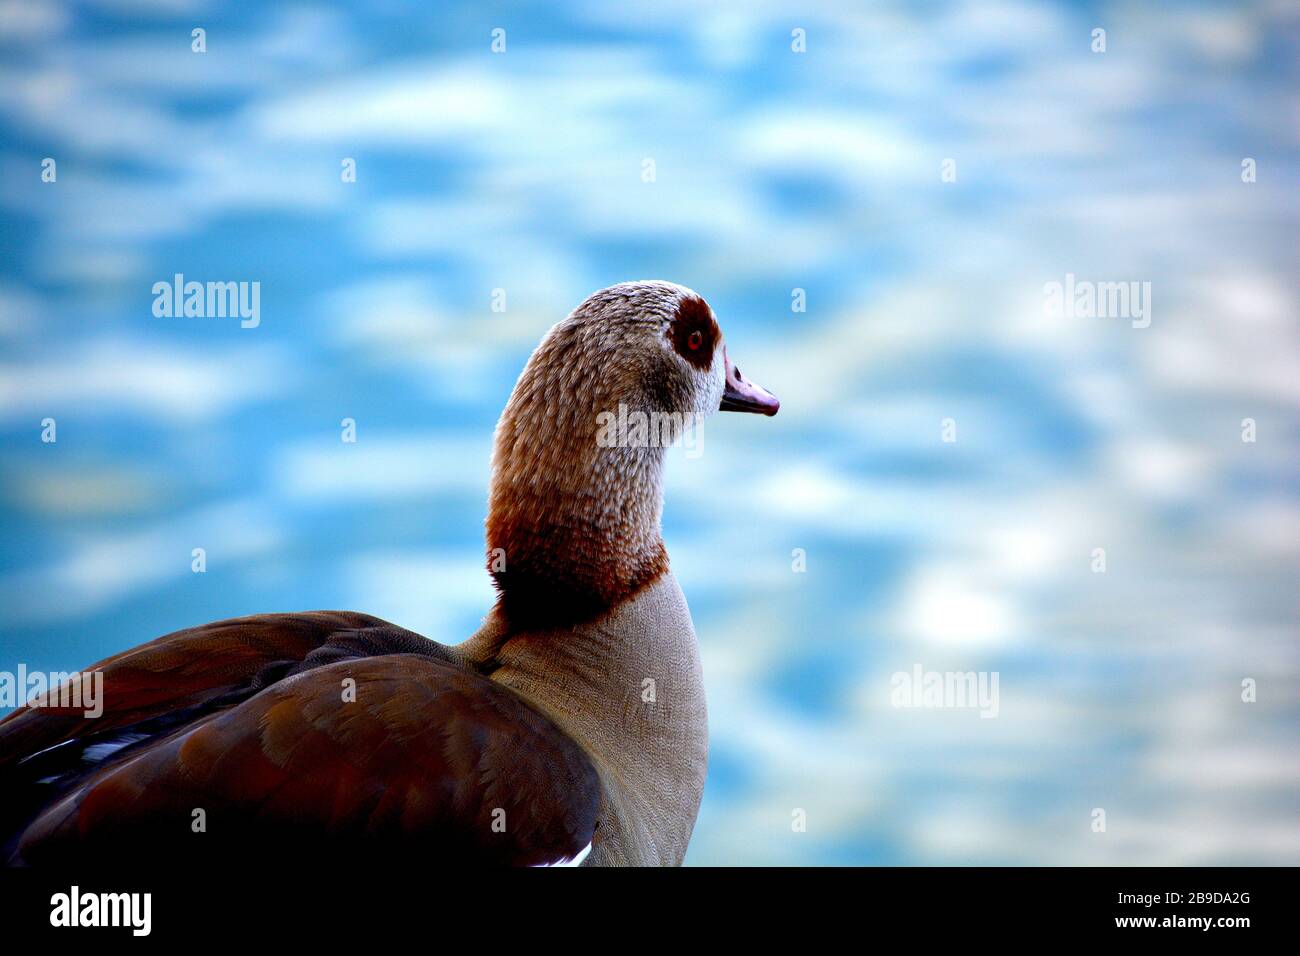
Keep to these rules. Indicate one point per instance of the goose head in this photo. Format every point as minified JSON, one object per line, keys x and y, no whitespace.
{"x":574,"y":510}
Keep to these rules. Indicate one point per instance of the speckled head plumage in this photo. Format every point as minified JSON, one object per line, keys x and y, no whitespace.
{"x":574,"y":523}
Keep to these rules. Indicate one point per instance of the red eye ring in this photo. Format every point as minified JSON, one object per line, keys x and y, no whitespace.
{"x":695,"y":341}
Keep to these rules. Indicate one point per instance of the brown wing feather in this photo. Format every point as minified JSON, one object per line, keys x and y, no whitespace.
{"x":429,"y":758}
{"x":201,"y":665}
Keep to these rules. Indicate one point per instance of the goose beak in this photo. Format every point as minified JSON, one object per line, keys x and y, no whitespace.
{"x":742,"y":395}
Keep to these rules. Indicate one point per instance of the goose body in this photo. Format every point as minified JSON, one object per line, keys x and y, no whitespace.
{"x":570,"y":727}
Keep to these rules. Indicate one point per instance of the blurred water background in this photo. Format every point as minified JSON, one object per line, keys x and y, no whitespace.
{"x":773,"y":171}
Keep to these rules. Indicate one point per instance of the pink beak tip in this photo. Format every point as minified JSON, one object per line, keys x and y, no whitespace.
{"x":742,"y":395}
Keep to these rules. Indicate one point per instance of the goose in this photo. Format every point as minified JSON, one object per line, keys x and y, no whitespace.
{"x":570,"y":728}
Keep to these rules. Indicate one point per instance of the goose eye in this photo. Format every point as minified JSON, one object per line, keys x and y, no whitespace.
{"x":695,"y":341}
